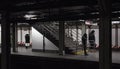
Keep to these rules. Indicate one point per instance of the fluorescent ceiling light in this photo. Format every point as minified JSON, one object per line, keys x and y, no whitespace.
{"x":115,"y":22}
{"x":34,"y":18}
{"x":82,"y":20}
{"x":29,"y":16}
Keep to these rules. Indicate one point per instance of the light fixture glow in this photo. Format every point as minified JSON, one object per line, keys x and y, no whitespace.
{"x":82,"y":20}
{"x":34,"y":18}
{"x":29,"y":16}
{"x":115,"y":22}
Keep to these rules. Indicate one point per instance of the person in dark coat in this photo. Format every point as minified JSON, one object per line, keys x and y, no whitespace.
{"x":92,"y":39}
{"x":84,"y":42}
{"x":27,"y":40}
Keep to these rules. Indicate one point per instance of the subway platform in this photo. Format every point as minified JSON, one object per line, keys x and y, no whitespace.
{"x":92,"y":56}
{"x":25,"y":58}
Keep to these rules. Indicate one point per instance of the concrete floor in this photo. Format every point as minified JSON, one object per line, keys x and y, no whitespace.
{"x":92,"y":56}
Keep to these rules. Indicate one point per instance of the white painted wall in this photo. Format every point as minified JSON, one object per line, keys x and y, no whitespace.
{"x":113,"y":37}
{"x":49,"y":45}
{"x":97,"y":36}
{"x":19,"y":36}
{"x":23,"y":35}
{"x":37,"y":41}
{"x":119,"y":37}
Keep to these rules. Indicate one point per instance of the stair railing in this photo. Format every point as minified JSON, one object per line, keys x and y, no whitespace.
{"x":53,"y":31}
{"x":70,"y":32}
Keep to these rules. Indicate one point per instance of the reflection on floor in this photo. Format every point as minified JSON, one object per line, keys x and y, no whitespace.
{"x":92,"y":56}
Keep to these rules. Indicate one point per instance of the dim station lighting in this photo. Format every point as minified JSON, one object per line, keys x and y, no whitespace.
{"x":115,"y":22}
{"x":29,"y":16}
{"x":34,"y":18}
{"x":82,"y":20}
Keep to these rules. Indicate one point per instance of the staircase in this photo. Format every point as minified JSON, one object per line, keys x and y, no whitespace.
{"x":52,"y":34}
{"x":71,"y":40}
{"x":48,"y":33}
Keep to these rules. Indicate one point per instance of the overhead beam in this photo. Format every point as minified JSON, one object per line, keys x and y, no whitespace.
{"x":65,"y":18}
{"x":56,"y":18}
{"x":53,"y":4}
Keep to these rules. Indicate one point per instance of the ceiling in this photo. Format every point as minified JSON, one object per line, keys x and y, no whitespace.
{"x":55,"y":10}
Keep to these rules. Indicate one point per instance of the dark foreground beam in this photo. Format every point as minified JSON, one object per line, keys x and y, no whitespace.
{"x":5,"y":48}
{"x":105,"y":57}
{"x":46,"y":4}
{"x":14,"y":38}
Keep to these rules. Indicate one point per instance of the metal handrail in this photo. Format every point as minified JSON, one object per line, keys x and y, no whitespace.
{"x":51,"y":32}
{"x":52,"y":28}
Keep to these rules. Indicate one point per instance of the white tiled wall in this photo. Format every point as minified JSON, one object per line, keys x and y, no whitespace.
{"x":97,"y":36}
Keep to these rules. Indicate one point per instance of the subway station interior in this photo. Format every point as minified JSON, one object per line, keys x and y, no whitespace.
{"x":48,"y":34}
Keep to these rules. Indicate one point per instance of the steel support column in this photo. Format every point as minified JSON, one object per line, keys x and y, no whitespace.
{"x":71,"y":35}
{"x":43,"y":43}
{"x":76,"y":37}
{"x":83,"y":28}
{"x":29,"y":28}
{"x":105,"y":58}
{"x":5,"y":48}
{"x":43,"y":38}
{"x":116,"y":35}
{"x":21,"y":35}
{"x":68,"y":31}
{"x":14,"y":37}
{"x":61,"y":38}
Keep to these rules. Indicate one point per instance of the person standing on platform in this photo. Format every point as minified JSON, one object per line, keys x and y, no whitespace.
{"x":92,"y":39}
{"x":27,"y":40}
{"x":84,"y":42}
